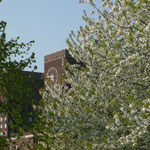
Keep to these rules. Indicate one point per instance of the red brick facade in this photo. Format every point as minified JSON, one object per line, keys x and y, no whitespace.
{"x":25,"y":142}
{"x":3,"y":124}
{"x":55,"y":63}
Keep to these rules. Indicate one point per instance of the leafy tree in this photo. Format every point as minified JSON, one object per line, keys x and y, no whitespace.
{"x":108,"y":104}
{"x":16,"y":91}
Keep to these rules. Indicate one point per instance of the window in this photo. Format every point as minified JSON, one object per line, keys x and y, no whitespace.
{"x":16,"y":146}
{"x":10,"y":147}
{"x":30,"y":119}
{"x":5,"y":132}
{"x":1,"y":126}
{"x":5,"y":125}
{"x":5,"y":118}
{"x":1,"y":118}
{"x":29,"y":144}
{"x":22,"y":145}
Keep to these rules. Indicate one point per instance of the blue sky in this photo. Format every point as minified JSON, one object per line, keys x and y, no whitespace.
{"x":48,"y":22}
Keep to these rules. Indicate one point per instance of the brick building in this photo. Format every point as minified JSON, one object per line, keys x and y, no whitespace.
{"x":3,"y":124}
{"x":27,"y":139}
{"x":54,"y":65}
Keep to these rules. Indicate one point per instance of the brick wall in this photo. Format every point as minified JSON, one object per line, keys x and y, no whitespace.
{"x":3,"y":124}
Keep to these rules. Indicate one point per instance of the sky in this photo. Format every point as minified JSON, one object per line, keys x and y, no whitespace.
{"x":47,"y":22}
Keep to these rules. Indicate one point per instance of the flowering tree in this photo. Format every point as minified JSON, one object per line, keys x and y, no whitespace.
{"x":108,"y":104}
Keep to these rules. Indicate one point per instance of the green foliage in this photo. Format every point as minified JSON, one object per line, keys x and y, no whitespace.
{"x":16,"y":90}
{"x":107,"y":106}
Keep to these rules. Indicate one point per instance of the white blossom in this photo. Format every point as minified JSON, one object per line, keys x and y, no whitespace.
{"x":108,"y":105}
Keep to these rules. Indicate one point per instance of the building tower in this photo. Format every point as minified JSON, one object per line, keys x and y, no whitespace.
{"x":54,"y":65}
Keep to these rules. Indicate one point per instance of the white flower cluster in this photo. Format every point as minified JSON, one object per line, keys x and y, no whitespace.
{"x":108,"y":105}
